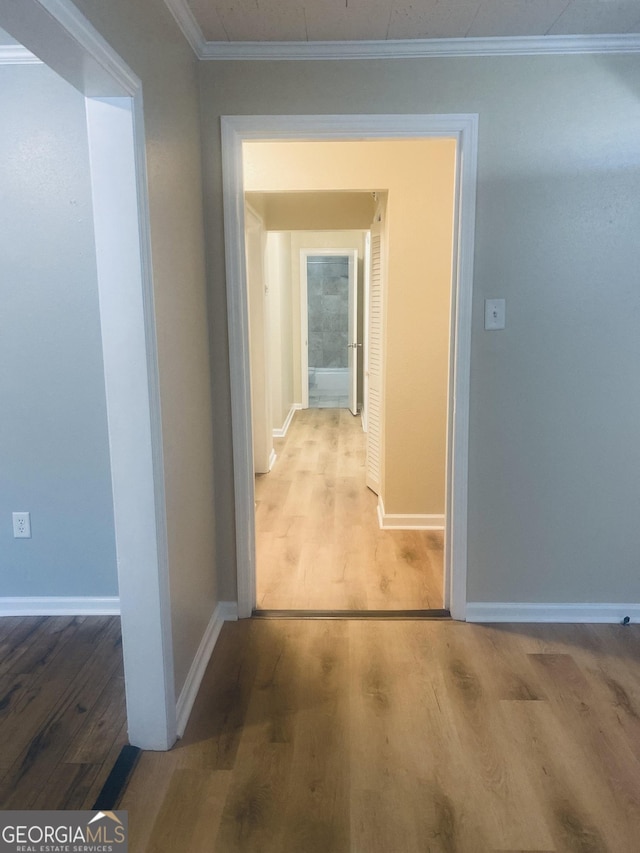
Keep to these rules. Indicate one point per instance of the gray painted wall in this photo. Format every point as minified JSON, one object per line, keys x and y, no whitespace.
{"x":554,"y":498}
{"x":147,"y":37}
{"x":54,"y":452}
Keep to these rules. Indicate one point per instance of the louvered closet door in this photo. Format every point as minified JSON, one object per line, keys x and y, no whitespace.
{"x":374,"y":367}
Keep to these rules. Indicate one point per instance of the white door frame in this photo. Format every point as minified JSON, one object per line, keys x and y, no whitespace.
{"x":62,"y":37}
{"x":464,"y":128}
{"x":305,"y":254}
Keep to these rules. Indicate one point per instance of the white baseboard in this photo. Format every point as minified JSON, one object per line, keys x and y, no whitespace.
{"x":513,"y":611}
{"x":56,"y":605}
{"x":272,"y":458}
{"x":280,"y":433}
{"x":391,"y":521}
{"x":226,"y":611}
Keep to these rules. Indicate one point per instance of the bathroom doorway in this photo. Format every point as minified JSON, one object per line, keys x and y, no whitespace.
{"x":331,"y":338}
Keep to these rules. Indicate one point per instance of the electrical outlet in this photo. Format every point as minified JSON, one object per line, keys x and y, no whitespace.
{"x":21,"y":525}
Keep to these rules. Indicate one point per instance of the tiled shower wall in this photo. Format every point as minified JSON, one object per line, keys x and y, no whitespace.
{"x":328,"y":295}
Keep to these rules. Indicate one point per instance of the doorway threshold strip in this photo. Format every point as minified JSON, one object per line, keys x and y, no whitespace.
{"x":113,"y":789}
{"x":433,"y":613}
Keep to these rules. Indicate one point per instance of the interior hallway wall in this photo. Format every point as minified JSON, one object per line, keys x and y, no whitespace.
{"x":54,"y":447}
{"x":314,"y":211}
{"x":554,"y":454}
{"x":147,"y":37}
{"x":280,"y":320}
{"x":259,"y":341}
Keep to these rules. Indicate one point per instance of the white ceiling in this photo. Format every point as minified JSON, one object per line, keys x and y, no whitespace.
{"x":346,"y":20}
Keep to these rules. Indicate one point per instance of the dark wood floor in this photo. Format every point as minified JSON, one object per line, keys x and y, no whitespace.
{"x":402,"y":737}
{"x":62,"y":709}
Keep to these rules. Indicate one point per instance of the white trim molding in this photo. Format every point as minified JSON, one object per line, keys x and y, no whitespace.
{"x":512,"y":611}
{"x":421,"y":48}
{"x":394,"y":521}
{"x":116,"y":138}
{"x":464,"y":129}
{"x":83,"y":56}
{"x":185,"y":19}
{"x":281,"y":433}
{"x":16,"y":54}
{"x":60,"y":605}
{"x":559,"y":45}
{"x":226,"y":611}
{"x":272,"y":459}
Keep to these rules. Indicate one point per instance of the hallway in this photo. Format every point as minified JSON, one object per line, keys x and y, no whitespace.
{"x":318,"y":542}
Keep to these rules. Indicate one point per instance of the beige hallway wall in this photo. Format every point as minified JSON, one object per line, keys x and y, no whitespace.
{"x":279,"y":298}
{"x":313,"y":211}
{"x":419,"y":176}
{"x":259,"y":345}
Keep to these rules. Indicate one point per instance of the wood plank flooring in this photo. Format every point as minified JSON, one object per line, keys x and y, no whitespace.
{"x":318,"y":542}
{"x":402,"y":737}
{"x":62,"y":709}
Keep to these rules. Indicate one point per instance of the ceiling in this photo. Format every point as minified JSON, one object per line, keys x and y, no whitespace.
{"x":381,"y":20}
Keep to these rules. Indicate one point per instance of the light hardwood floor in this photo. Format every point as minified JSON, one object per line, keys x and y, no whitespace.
{"x":359,"y":736}
{"x":62,"y":709}
{"x":318,"y":542}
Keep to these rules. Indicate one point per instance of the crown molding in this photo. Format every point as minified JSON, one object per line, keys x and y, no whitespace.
{"x":419,"y":48}
{"x":15,"y":54}
{"x":98,"y":66}
{"x":396,"y":48}
{"x":188,"y":24}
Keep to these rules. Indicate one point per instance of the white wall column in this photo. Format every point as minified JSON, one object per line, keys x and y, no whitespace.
{"x":128,"y":337}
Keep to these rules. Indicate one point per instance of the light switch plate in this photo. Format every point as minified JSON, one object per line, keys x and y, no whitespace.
{"x":494,"y":314}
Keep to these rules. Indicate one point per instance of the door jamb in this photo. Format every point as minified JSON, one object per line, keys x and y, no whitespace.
{"x":462,"y":127}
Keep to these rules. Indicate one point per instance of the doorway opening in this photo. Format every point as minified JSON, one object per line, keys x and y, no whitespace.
{"x":463,"y":129}
{"x":62,"y":38}
{"x":329,"y":321}
{"x":321,"y":541}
